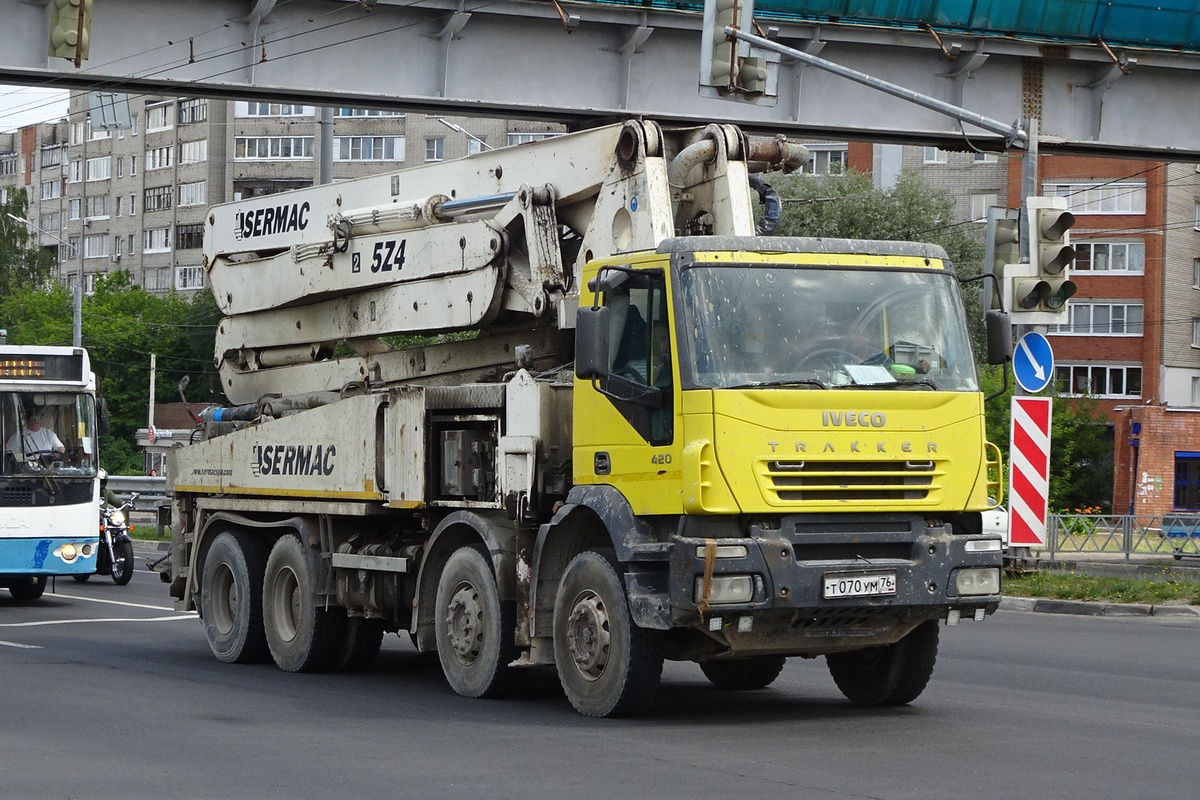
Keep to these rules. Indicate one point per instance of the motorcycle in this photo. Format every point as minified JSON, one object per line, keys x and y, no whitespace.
{"x":115,"y":556}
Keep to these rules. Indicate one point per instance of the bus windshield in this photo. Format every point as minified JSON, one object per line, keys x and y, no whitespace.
{"x":824,"y":327}
{"x":48,"y":432}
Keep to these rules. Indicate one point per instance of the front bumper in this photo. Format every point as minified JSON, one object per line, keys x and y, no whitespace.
{"x":788,"y":560}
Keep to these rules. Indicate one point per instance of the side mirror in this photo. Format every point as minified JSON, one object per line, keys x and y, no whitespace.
{"x":592,"y":335}
{"x":999,"y":337}
{"x":102,"y":415}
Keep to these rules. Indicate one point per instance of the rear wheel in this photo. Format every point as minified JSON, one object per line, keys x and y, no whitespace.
{"x":888,"y":676}
{"x":361,"y":641}
{"x":81,"y":578}
{"x":474,"y":629}
{"x":302,"y":636}
{"x":743,"y":673}
{"x":231,"y":598}
{"x":26,"y":589}
{"x":122,"y":567}
{"x":608,"y":666}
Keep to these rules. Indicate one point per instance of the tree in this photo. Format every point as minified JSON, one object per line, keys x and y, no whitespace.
{"x":22,"y":263}
{"x":122,"y":326}
{"x":1080,"y":451}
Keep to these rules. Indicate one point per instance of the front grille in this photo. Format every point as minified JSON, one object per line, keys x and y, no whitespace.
{"x":812,"y":481}
{"x":18,"y":495}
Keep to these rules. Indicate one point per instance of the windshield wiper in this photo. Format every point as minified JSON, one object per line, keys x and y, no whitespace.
{"x":779,"y":384}
{"x":893,"y":385}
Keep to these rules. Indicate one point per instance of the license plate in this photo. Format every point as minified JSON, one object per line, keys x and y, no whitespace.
{"x":859,"y":584}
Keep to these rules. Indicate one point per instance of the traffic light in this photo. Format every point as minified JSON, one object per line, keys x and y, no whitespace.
{"x":1040,"y":291}
{"x":1003,"y":244}
{"x":726,"y":65}
{"x":70,"y":29}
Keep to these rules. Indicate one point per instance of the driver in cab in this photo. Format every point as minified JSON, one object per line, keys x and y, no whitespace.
{"x":36,"y":438}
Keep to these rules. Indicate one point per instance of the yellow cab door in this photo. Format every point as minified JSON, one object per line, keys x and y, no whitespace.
{"x":627,"y":427}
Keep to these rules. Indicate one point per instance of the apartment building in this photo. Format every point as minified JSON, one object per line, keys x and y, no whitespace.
{"x":135,"y":198}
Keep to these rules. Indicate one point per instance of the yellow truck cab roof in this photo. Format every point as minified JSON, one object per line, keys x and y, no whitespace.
{"x":741,"y":249}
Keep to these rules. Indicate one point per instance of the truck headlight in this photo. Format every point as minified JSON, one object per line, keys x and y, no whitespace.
{"x":726,"y":589}
{"x":977,"y":580}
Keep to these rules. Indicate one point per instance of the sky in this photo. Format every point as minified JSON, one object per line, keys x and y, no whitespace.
{"x":25,"y":105}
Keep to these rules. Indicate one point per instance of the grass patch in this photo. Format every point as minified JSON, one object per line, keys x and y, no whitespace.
{"x":1073,"y":586}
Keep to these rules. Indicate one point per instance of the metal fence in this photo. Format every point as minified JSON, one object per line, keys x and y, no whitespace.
{"x":1172,"y":535}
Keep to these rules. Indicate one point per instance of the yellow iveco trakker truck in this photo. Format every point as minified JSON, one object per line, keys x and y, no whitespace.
{"x":663,"y":435}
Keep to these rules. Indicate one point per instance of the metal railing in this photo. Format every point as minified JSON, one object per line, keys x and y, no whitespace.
{"x":1173,"y":535}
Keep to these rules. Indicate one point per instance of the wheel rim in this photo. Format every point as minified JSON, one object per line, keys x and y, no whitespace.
{"x":225,"y":596}
{"x":589,"y":636}
{"x":286,"y":604}
{"x":464,"y":623}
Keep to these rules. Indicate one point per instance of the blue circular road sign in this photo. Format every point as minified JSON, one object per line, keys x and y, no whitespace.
{"x":1033,"y":362}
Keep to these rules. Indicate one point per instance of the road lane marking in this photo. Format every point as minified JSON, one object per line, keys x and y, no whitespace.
{"x":190,"y":615}
{"x":21,"y":646}
{"x":113,"y":602}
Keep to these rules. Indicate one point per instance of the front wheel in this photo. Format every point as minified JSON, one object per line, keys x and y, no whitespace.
{"x":474,"y":629}
{"x":123,"y":563}
{"x":608,"y":666}
{"x":887,"y":676}
{"x":27,"y":589}
{"x":742,"y":674}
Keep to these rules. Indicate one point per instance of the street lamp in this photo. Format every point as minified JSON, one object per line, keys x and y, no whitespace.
{"x":77,"y":310}
{"x":464,"y":132}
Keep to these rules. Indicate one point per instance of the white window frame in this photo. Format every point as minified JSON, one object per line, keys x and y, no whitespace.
{"x":159,"y":118}
{"x":189,"y":278}
{"x":933,"y":155}
{"x":986,"y":158}
{"x":96,"y":206}
{"x":435,"y":148}
{"x":1196,"y":273}
{"x":156,"y":240}
{"x":827,"y":158}
{"x":99,"y":169}
{"x":368,"y":148}
{"x":1130,"y":247}
{"x":243,"y":108}
{"x":51,"y":190}
{"x":273,"y":147}
{"x":1074,"y":370}
{"x":192,"y":194}
{"x":193,"y":152}
{"x":1122,"y":198}
{"x":1196,"y":332}
{"x":525,"y":137}
{"x":95,"y":245}
{"x":980,"y":203}
{"x":1084,"y":316}
{"x":365,"y":112}
{"x":158,"y":158}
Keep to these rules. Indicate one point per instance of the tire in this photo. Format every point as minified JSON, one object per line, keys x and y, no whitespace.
{"x":122,"y":568}
{"x":742,"y":674}
{"x":608,"y":667}
{"x":231,"y":598}
{"x":81,"y":578}
{"x":28,"y":589}
{"x":887,"y":676}
{"x":302,"y":636}
{"x":361,"y":640}
{"x":474,"y":630}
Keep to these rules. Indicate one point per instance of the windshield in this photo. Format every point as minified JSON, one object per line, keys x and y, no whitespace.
{"x":824,"y":327}
{"x":48,"y":432}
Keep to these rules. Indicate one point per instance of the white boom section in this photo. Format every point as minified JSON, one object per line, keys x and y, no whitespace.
{"x":490,"y":242}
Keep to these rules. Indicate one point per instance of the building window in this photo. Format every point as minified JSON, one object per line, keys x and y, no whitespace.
{"x":118,"y":246}
{"x":191,"y":194}
{"x":193,"y":152}
{"x":515,"y":138}
{"x":156,"y":199}
{"x":156,"y":240}
{"x":76,"y":171}
{"x":1196,"y":273}
{"x":158,"y":118}
{"x":1196,"y":391}
{"x":933,"y":155}
{"x":1196,"y":223}
{"x":158,"y":158}
{"x":368,"y":148}
{"x":96,"y":207}
{"x":157,"y":280}
{"x":192,"y":111}
{"x":1100,"y":380}
{"x":189,"y":278}
{"x":117,"y":206}
{"x":1126,"y":255}
{"x":133,"y":125}
{"x":8,"y":164}
{"x":95,"y":134}
{"x":51,"y":221}
{"x":1102,"y":319}
{"x":980,"y":203}
{"x":1109,"y":197}
{"x":476,"y":145}
{"x":986,"y":158}
{"x":95,"y":246}
{"x":365,"y":112}
{"x":275,"y":148}
{"x":1187,"y":481}
{"x":1195,"y":332}
{"x":253,"y":109}
{"x":99,"y":169}
{"x":120,"y":167}
{"x":132,"y":243}
{"x":435,"y":148}
{"x":74,"y":206}
{"x":826,"y":159}
{"x":51,"y":156}
{"x":51,"y":190}
{"x":189,"y":237}
{"x":132,"y":205}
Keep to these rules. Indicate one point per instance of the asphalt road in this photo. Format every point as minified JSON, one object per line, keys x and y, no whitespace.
{"x":108,"y":693}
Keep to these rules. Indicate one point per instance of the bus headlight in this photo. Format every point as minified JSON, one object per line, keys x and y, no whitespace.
{"x":726,"y":589}
{"x":66,"y":552}
{"x":977,"y":580}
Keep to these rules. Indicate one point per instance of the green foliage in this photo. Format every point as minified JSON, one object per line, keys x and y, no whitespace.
{"x":1081,"y":450}
{"x":122,"y":326}
{"x":1073,"y":586}
{"x":22,"y":263}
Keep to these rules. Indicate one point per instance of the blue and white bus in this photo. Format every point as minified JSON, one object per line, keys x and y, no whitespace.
{"x":49,"y":487}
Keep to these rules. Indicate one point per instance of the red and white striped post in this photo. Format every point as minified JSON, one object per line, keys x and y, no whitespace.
{"x":1029,"y":477}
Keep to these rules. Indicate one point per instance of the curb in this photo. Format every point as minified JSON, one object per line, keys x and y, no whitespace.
{"x":1093,"y":609}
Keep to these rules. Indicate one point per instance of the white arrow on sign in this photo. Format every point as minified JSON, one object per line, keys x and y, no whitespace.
{"x":1038,"y":372}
